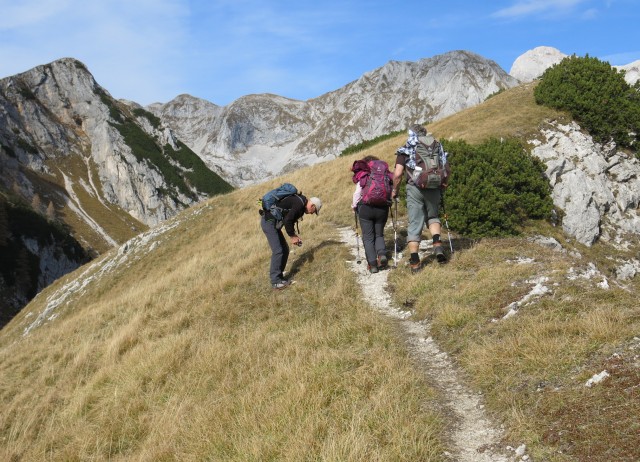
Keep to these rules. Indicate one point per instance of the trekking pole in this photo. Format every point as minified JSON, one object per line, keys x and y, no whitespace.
{"x":446,"y":222}
{"x":355,"y":214}
{"x":394,"y":220}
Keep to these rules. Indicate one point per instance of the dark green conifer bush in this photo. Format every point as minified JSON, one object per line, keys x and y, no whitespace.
{"x":494,"y":188}
{"x":368,"y":143}
{"x":596,"y":95}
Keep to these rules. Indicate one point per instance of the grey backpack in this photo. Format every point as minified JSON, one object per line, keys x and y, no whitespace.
{"x":432,"y":169}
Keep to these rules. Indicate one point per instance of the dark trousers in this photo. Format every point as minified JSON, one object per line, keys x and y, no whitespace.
{"x":372,"y":222}
{"x":279,"y":249}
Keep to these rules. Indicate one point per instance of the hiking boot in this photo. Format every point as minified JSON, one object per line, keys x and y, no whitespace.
{"x":382,"y":261}
{"x":415,"y":267}
{"x":372,"y":268}
{"x":438,"y":251}
{"x":281,"y":285}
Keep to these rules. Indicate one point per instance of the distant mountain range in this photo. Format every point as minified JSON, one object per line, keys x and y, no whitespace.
{"x":103,"y":170}
{"x":260,"y":136}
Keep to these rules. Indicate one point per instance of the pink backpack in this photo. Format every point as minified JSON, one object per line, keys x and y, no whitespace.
{"x":376,"y":181}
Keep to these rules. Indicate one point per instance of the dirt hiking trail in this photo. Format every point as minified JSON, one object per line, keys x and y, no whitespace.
{"x":473,"y":437}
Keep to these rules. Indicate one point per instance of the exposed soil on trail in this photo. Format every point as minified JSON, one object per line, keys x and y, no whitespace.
{"x":473,"y":437}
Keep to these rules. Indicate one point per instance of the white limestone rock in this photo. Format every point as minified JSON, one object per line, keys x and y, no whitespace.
{"x":532,"y":64}
{"x":596,"y":186}
{"x":632,"y":72}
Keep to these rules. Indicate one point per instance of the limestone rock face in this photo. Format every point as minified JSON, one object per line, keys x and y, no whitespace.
{"x":64,"y":138}
{"x":596,"y":186}
{"x":261,"y":136}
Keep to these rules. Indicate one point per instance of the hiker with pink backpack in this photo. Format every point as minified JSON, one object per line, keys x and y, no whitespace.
{"x":371,"y":202}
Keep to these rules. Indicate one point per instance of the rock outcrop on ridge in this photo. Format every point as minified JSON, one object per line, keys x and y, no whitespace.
{"x":532,"y":64}
{"x":261,"y":136}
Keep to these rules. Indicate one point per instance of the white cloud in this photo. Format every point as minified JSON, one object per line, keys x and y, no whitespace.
{"x":525,"y":8}
{"x":591,"y":13}
{"x":622,"y":59}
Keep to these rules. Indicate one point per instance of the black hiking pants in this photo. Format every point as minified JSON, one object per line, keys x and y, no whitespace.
{"x":372,"y":221}
{"x":279,"y":249}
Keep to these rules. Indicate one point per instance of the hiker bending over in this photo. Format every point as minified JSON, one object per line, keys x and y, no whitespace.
{"x":420,"y":159}
{"x":371,"y":201}
{"x":292,"y":207}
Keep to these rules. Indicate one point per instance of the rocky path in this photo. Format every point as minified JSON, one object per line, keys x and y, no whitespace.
{"x":474,"y":438}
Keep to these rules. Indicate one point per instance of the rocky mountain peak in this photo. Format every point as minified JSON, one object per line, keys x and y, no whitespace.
{"x":64,"y":138}
{"x":261,"y":136}
{"x":532,"y":64}
{"x":632,"y":72}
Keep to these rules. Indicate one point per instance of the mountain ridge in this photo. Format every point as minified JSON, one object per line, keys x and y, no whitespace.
{"x":383,"y":100}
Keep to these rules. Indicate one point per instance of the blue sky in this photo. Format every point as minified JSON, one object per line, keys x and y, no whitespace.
{"x":219,"y":50}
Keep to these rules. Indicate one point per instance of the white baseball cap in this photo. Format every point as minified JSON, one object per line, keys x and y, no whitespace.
{"x":317,"y":202}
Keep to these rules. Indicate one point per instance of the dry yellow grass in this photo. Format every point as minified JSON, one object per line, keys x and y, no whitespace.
{"x":183,"y":352}
{"x":512,"y":113}
{"x":532,"y":367}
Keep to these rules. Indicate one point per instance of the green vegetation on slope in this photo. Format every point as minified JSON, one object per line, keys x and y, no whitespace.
{"x":368,"y":143}
{"x":596,"y":95}
{"x":196,"y":172}
{"x":495,"y":188}
{"x":182,"y":169}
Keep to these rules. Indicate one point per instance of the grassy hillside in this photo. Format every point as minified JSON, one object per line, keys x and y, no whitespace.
{"x":512,"y":113}
{"x":175,"y":347}
{"x":184,"y":352}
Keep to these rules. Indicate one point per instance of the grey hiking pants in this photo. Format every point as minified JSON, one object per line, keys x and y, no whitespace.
{"x":279,"y":249}
{"x":423,"y":206}
{"x":372,"y":222}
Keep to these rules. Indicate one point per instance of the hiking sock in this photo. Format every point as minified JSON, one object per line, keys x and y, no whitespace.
{"x":436,"y":238}
{"x":415,"y":258}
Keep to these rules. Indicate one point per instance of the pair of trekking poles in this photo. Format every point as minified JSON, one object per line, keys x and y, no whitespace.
{"x":394,"y":221}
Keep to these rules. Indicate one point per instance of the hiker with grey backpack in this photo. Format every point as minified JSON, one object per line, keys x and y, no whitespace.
{"x":423,"y":163}
{"x":371,"y":202}
{"x":282,"y":208}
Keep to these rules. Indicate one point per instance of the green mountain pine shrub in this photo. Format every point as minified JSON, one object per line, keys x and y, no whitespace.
{"x":177,"y":167}
{"x":494,"y":188}
{"x":196,"y":171}
{"x":596,"y":95}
